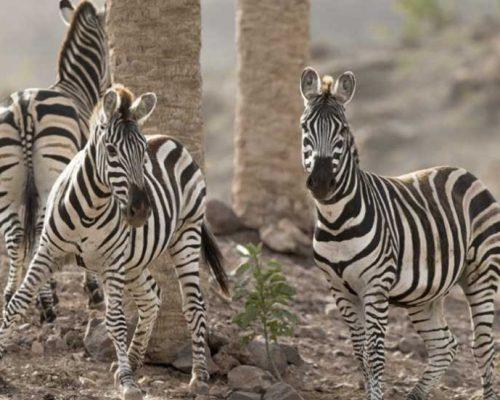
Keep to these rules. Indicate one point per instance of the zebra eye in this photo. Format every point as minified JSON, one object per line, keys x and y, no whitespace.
{"x":304,"y":127}
{"x":111,"y":150}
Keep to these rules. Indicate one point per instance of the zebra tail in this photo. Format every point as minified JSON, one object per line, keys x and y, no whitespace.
{"x":30,"y":214}
{"x":213,"y":256}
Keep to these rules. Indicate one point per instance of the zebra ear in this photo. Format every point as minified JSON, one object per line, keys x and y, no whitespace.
{"x":309,"y":84}
{"x":110,"y":103}
{"x":345,"y":87}
{"x":66,"y":10}
{"x":143,"y":106}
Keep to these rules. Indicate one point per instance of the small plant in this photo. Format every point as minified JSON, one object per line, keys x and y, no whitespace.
{"x":267,"y":295}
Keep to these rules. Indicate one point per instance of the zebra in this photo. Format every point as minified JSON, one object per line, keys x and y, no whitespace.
{"x":119,"y":204}
{"x":403,"y":240}
{"x":40,"y":132}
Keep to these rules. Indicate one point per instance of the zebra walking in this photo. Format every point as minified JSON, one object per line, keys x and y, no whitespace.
{"x":405,"y":240}
{"x":119,"y":204}
{"x":40,"y":132}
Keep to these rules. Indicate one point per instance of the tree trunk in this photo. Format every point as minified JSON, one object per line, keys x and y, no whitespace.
{"x":156,"y":48}
{"x":273,"y":49}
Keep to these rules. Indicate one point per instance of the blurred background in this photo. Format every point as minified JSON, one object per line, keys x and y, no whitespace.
{"x":428,"y":77}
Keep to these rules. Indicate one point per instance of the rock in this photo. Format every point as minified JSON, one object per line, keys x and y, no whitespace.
{"x":282,"y":391}
{"x":285,"y":237}
{"x":249,"y":379}
{"x":453,"y":377}
{"x":257,"y":356}
{"x":244,"y":396}
{"x":412,"y":344}
{"x":292,"y":355}
{"x":184,"y":360}
{"x":73,"y":339}
{"x":86,"y":382}
{"x":216,"y":341}
{"x":311,"y":332}
{"x":221,"y":218}
{"x":97,"y":343}
{"x":37,"y":348}
{"x":225,"y":361}
{"x":54,"y":343}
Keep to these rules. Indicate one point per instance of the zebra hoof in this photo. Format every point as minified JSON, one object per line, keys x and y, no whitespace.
{"x":132,"y":393}
{"x":47,"y":316}
{"x":198,"y":387}
{"x":96,"y":301}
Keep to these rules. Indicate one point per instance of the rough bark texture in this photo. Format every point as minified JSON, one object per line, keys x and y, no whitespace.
{"x":157,"y":48}
{"x":273,"y":49}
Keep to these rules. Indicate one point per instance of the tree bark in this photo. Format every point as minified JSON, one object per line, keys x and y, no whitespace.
{"x":273,"y":49}
{"x":156,"y":48}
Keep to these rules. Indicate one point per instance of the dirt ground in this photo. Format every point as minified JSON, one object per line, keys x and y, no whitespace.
{"x":329,"y":371}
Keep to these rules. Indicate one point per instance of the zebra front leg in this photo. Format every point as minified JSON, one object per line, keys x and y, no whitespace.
{"x":352,"y":315}
{"x":116,"y":326}
{"x":47,"y":299}
{"x":39,"y":272}
{"x":185,"y":253}
{"x":147,"y":297}
{"x":430,"y":323}
{"x":376,"y":309}
{"x":94,"y":291}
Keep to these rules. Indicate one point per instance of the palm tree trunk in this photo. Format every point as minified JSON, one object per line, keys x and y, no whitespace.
{"x":156,"y":47}
{"x":273,"y":49}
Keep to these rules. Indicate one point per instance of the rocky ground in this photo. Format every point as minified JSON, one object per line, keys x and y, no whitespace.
{"x":51,"y":362}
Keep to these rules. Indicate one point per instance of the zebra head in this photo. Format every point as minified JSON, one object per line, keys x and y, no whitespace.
{"x":121,"y":150}
{"x":325,"y":131}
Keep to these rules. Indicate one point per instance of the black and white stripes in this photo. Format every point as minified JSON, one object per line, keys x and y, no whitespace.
{"x":405,"y":241}
{"x":121,"y":203}
{"x":40,"y":132}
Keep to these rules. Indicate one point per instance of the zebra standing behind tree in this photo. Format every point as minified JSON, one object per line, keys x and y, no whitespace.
{"x":40,"y":132}
{"x":405,"y":240}
{"x":121,"y":203}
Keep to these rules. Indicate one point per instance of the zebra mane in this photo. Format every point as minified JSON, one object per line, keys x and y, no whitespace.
{"x":82,"y":11}
{"x":127,"y":97}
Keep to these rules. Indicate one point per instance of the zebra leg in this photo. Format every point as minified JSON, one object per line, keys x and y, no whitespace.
{"x":353,"y":318}
{"x":185,"y":253}
{"x":430,"y":323}
{"x":481,"y":297}
{"x":147,"y":297}
{"x":46,"y":301}
{"x":38,"y":273}
{"x":14,"y":242}
{"x":116,"y":326}
{"x":94,"y":291}
{"x":376,"y":308}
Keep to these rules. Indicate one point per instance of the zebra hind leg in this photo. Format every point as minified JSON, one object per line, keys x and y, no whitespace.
{"x":480,"y":291}
{"x":185,"y":253}
{"x":14,"y":242}
{"x":38,"y":273}
{"x":47,"y":300}
{"x":146,"y":294}
{"x":430,"y":323}
{"x":94,"y":292}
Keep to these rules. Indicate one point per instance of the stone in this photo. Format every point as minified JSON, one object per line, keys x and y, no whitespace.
{"x":248,"y":378}
{"x":98,"y":344}
{"x":292,"y":355}
{"x":413,"y":344}
{"x":54,"y":343}
{"x":311,"y":332}
{"x":238,"y":395}
{"x":184,"y":360}
{"x":73,"y":339}
{"x":282,"y":391}
{"x":216,"y":341}
{"x":221,"y":218}
{"x":285,"y":237}
{"x":225,"y":360}
{"x":37,"y":348}
{"x":257,"y":356}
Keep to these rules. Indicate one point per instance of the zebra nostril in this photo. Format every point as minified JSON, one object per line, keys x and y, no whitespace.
{"x":332,"y":183}
{"x":310,"y":182}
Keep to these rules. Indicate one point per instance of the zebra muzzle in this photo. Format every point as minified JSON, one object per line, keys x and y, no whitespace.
{"x":139,"y":207}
